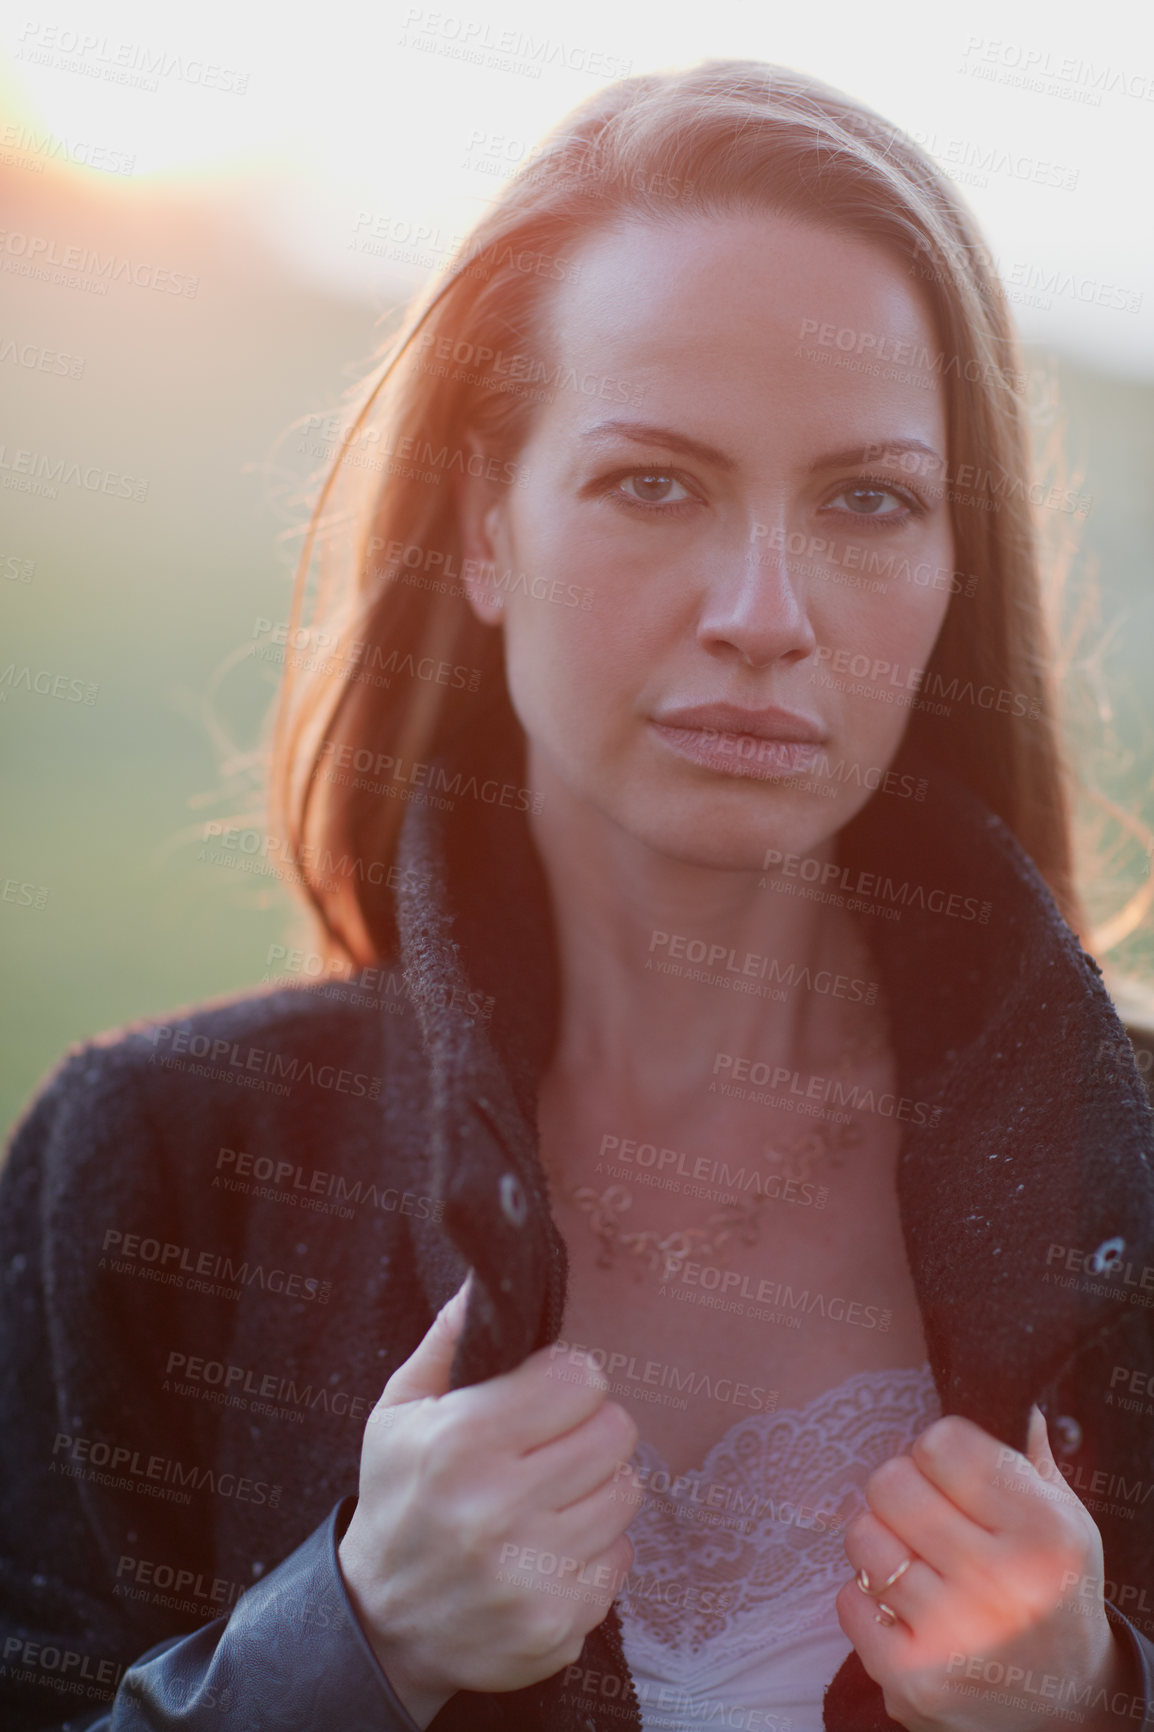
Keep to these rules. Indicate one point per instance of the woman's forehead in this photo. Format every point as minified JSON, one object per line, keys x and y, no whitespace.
{"x":734,"y":305}
{"x":710,"y":280}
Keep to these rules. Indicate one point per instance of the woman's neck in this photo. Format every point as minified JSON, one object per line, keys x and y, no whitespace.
{"x":665,"y":965}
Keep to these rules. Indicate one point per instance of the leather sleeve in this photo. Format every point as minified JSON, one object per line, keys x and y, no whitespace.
{"x":291,"y":1658}
{"x":1141,"y":1683}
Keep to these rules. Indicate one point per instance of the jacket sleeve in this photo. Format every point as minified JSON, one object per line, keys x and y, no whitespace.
{"x":1102,"y":1447}
{"x":291,"y":1657}
{"x":291,"y":1653}
{"x":1140,"y":1687}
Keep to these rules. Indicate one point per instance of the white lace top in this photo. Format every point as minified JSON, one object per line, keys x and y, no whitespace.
{"x":729,"y":1619}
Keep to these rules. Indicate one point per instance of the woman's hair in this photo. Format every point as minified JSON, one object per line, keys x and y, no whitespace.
{"x":397,"y":662}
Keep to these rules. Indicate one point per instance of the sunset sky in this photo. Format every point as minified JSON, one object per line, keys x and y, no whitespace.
{"x":327,"y":125}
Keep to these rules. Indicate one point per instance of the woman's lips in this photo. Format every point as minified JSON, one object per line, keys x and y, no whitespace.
{"x":738,"y":754}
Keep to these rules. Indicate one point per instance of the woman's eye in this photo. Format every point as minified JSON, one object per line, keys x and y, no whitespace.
{"x":651,"y":487}
{"x":867,"y":501}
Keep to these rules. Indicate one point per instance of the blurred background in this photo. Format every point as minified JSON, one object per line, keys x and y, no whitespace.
{"x":204,"y":218}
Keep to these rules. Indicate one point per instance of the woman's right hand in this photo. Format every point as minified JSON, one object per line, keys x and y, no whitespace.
{"x":461,"y":1493}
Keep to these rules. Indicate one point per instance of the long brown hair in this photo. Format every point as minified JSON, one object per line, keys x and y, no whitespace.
{"x":380,"y":574}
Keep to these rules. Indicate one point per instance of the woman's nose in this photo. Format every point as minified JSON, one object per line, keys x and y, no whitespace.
{"x":756,"y":607}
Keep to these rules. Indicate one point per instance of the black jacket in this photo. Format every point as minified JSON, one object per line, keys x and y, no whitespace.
{"x":220,"y":1234}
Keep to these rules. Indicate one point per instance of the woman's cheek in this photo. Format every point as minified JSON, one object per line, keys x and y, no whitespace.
{"x":871,"y":658}
{"x":566,"y":660}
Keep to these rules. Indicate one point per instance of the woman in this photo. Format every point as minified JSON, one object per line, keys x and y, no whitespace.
{"x":726,"y":1158}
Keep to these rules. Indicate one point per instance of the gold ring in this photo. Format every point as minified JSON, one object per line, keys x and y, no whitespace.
{"x":885,"y":1615}
{"x":863,"y":1581}
{"x":897,"y":1575}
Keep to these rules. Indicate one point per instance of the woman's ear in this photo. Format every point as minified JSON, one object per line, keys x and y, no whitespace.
{"x":483,"y":538}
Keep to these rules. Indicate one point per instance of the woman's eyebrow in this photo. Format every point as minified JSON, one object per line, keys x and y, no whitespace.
{"x":875,"y":451}
{"x":643,"y":433}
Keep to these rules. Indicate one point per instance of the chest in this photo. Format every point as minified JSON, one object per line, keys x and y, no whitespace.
{"x":801,"y":1286}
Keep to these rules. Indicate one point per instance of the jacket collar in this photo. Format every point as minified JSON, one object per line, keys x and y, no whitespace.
{"x":1042,"y":1152}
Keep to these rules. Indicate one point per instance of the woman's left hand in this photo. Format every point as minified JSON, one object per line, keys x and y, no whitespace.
{"x":991,"y":1624}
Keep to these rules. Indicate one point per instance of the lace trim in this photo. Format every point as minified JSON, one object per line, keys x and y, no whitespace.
{"x":760,"y":1524}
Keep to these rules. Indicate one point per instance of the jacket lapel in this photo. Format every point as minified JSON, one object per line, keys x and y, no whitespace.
{"x":479,"y":960}
{"x":479,"y":955}
{"x":1041,"y":1149}
{"x":1041,"y":1152}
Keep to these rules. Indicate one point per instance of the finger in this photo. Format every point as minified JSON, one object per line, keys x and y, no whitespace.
{"x":523,"y":1409}
{"x":961,"y":1460}
{"x":894,"y":1575}
{"x":995,"y":1486}
{"x":604,"y":1577}
{"x":924,"y":1519}
{"x":1041,"y":1456}
{"x":568,"y":1468}
{"x":591,"y":1525}
{"x":1038,"y":1442}
{"x":427,"y":1369}
{"x":884,"y":1650}
{"x":593,"y":1584}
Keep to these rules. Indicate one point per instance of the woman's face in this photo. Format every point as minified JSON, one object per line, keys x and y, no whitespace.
{"x":721,"y":484}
